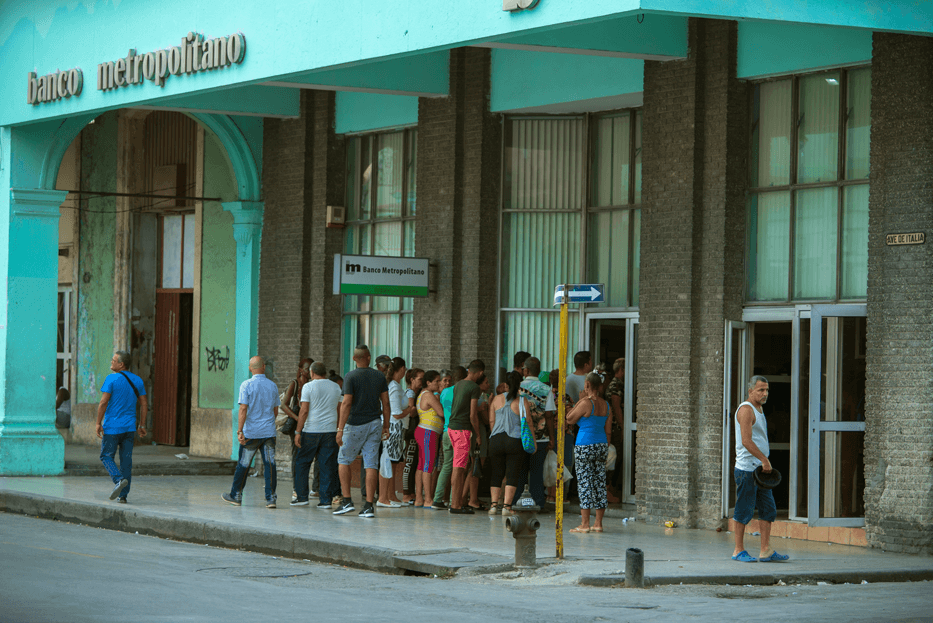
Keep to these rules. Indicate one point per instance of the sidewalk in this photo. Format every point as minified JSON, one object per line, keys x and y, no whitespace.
{"x":148,"y":460}
{"x":423,"y":541}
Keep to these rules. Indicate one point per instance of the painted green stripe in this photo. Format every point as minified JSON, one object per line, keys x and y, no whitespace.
{"x":353,"y":288}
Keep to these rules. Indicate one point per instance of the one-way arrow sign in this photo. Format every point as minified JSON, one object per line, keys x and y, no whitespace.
{"x":580,"y":293}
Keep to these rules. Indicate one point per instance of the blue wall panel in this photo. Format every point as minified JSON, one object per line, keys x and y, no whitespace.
{"x":771,"y":48}
{"x":363,"y":112}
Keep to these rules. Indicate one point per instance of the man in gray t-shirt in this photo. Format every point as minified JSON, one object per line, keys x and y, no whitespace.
{"x":360,"y":427}
{"x":316,"y":437}
{"x":573,"y":384}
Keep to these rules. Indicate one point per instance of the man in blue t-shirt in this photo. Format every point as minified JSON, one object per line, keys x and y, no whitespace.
{"x":122,"y":391}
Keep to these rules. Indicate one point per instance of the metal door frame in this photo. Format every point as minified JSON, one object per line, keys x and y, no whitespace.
{"x":727,"y":390}
{"x":631,"y":319}
{"x":817,"y":426}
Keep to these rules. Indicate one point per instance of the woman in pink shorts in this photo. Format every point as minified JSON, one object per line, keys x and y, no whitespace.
{"x":430,"y":426}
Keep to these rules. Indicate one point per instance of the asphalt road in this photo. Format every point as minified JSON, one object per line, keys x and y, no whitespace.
{"x":53,"y":571}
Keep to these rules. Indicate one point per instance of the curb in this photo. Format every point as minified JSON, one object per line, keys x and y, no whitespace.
{"x":198,"y":531}
{"x":769,"y":579}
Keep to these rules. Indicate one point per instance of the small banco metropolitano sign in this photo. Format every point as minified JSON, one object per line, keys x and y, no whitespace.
{"x":380,"y":276}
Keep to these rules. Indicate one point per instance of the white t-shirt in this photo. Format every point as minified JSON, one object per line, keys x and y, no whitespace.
{"x":397,"y":401}
{"x":323,"y":398}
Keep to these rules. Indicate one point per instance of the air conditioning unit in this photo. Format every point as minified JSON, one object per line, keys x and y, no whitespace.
{"x":336,"y":215}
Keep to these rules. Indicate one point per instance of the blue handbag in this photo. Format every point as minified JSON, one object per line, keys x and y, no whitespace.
{"x":528,"y":437}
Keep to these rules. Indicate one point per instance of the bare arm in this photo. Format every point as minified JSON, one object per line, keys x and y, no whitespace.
{"x":746,"y":420}
{"x":242,"y":422}
{"x":288,"y":400}
{"x":143,"y":405}
{"x":302,"y":418}
{"x":581,"y":410}
{"x":474,"y":419}
{"x":608,"y":426}
{"x":433,"y":403}
{"x":343,"y":417}
{"x":101,"y":409}
{"x":386,"y":412}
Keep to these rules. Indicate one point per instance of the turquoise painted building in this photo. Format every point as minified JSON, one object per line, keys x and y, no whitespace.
{"x":749,"y":181}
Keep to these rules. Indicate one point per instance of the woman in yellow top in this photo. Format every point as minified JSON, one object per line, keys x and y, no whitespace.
{"x":430,"y":426}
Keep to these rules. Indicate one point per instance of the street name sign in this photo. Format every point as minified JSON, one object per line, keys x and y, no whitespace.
{"x":380,"y":276}
{"x":580,"y":293}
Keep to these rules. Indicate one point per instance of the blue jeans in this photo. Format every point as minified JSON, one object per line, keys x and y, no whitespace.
{"x":247,"y":452}
{"x":108,"y":449}
{"x":323,"y":447}
{"x":536,"y":476}
{"x":749,"y":495}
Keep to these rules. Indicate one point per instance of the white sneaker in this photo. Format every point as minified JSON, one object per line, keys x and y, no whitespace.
{"x":389,"y":505}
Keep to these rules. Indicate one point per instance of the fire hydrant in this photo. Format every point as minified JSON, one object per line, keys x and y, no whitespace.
{"x":524,"y":526}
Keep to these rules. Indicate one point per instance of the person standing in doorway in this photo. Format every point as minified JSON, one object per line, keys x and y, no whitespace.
{"x":445,"y":454}
{"x":583,"y":365}
{"x":259,"y":404}
{"x":615,"y":396}
{"x":124,"y":394}
{"x":363,"y":423}
{"x":751,"y":451}
{"x":543,"y":407}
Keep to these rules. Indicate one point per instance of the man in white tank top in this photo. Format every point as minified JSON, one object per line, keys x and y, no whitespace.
{"x":751,"y":450}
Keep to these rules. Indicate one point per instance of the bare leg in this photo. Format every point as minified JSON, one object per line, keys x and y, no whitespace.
{"x":509,"y":494}
{"x":419,"y":484}
{"x":494,"y":494}
{"x":397,"y":469}
{"x":372,"y":478}
{"x":474,"y":491}
{"x":765,"y":528}
{"x":385,"y":484}
{"x":738,"y":530}
{"x":599,"y":517}
{"x":344,"y":473}
{"x":456,"y":487}
{"x":584,"y":518}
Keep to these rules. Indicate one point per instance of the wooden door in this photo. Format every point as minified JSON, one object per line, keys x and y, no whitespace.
{"x":165,"y":391}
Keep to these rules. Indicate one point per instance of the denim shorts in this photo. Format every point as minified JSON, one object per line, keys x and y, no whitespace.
{"x":749,"y":495}
{"x":362,"y":440}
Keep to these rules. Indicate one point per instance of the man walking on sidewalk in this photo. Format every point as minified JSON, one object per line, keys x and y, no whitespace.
{"x":751,"y":451}
{"x":363,"y":423}
{"x":123,"y":392}
{"x":259,"y":404}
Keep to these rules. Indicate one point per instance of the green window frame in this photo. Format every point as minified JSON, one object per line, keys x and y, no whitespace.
{"x":381,"y":211}
{"x":807,"y":231}
{"x":571,"y":212}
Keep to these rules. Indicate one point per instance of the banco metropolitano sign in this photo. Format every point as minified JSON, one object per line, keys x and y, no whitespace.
{"x":193,"y":55}
{"x":380,"y":276}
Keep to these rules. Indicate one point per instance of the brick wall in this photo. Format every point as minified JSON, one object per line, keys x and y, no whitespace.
{"x":303,"y":172}
{"x":692,"y":249}
{"x":898,"y":420}
{"x":457,"y":222}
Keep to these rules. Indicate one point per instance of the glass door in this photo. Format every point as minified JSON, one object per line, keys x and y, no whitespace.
{"x":836,"y":416}
{"x":735,"y":372}
{"x":609,"y":336}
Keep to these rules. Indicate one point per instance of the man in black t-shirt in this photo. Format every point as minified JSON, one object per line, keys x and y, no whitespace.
{"x":362,"y":424}
{"x":464,"y":424}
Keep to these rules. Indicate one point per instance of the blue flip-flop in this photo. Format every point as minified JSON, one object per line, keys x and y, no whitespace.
{"x":774,"y":557}
{"x":744,"y":556}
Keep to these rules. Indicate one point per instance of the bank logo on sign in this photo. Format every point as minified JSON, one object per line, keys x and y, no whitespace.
{"x":380,"y":275}
{"x":353,"y":268}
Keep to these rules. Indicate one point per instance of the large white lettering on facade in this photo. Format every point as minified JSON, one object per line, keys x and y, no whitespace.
{"x":193,"y":55}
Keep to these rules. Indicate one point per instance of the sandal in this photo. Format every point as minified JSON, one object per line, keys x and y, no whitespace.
{"x":507,"y":510}
{"x":599,"y":529}
{"x":495,"y":509}
{"x":482,"y":507}
{"x":580,"y":530}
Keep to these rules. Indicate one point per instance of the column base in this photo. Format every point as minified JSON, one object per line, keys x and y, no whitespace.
{"x":31,"y":454}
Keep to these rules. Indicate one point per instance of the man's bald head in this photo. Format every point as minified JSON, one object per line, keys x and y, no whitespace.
{"x":257,"y":365}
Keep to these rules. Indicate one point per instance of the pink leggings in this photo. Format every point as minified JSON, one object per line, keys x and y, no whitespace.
{"x":427,"y":449}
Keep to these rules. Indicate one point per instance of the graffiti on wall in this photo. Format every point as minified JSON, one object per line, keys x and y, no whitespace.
{"x":216,"y":361}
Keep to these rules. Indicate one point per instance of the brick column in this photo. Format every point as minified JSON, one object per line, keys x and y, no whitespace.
{"x":304,"y":171}
{"x":457,"y":223}
{"x":898,"y":433}
{"x":692,"y":250}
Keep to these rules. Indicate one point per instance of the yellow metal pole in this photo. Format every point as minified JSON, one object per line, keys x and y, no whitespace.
{"x":561,"y":388}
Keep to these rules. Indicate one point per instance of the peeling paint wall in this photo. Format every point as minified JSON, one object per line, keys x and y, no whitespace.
{"x":218,"y":282}
{"x":95,"y":270}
